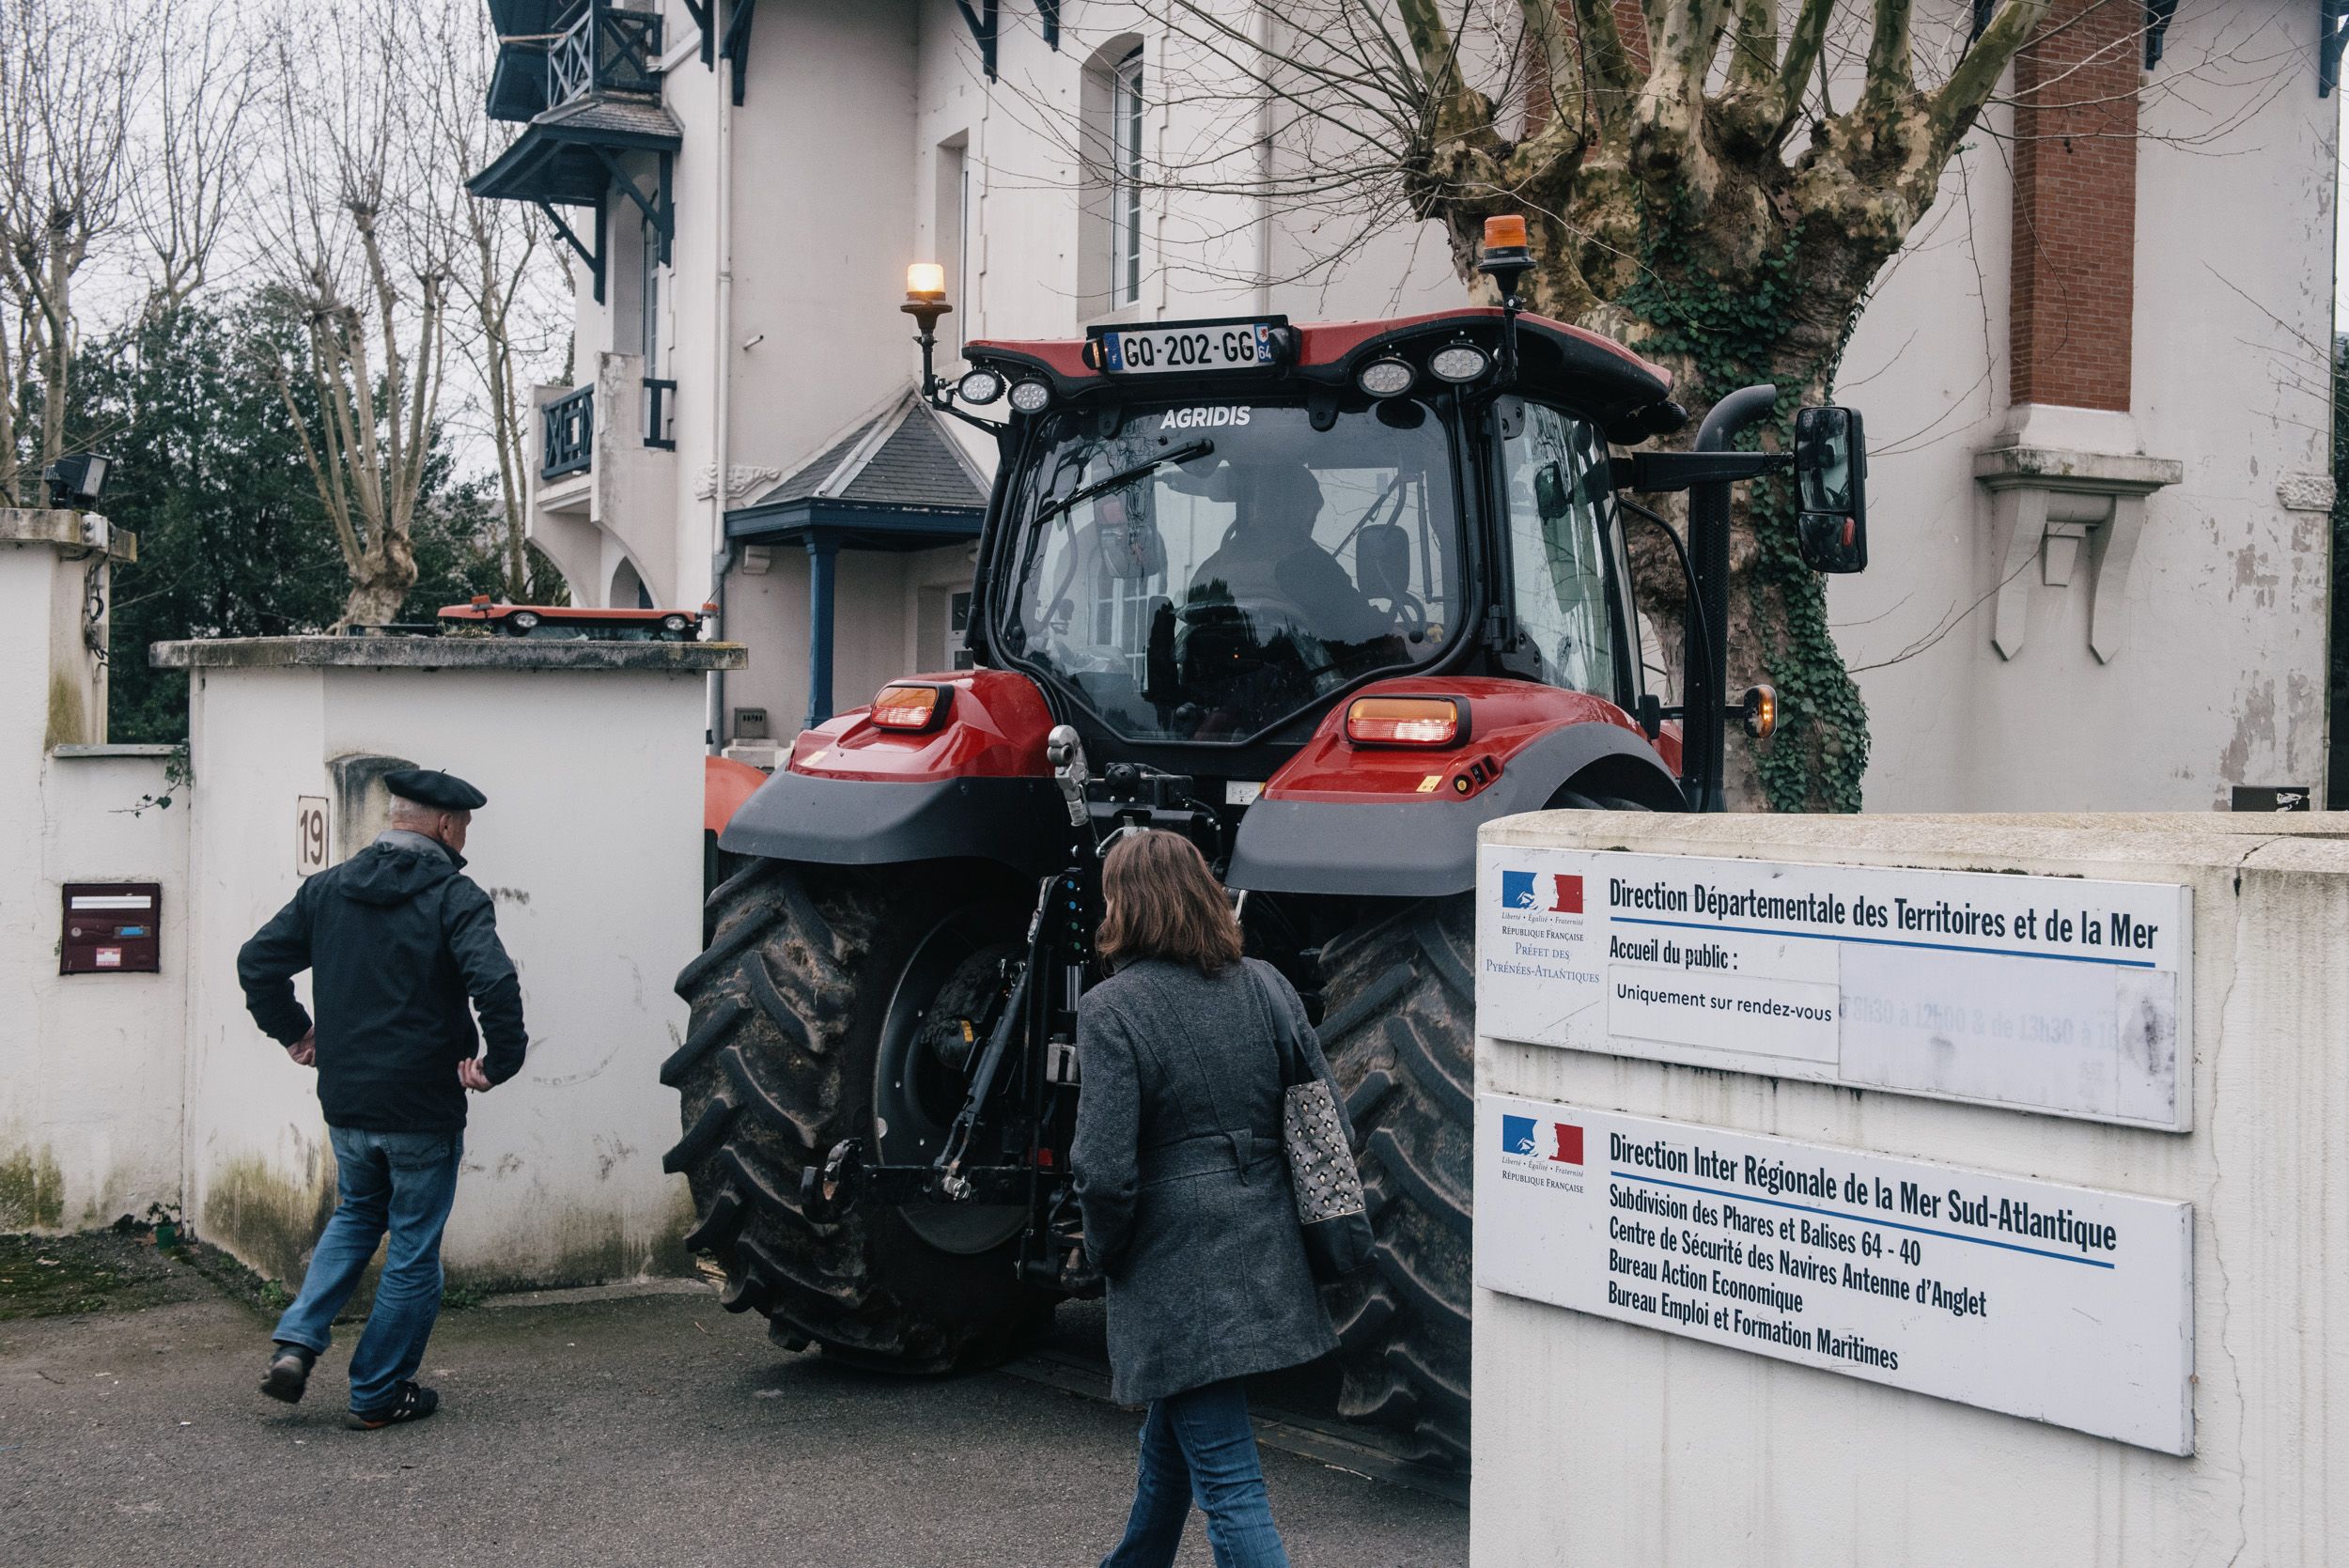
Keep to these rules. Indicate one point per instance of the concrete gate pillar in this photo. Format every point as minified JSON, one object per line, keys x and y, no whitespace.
{"x":90,"y":1063}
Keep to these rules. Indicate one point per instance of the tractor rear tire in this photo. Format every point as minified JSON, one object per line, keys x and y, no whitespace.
{"x":778,"y":1067}
{"x":1399,"y":1032}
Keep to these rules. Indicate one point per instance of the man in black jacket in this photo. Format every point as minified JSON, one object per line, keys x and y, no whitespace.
{"x":397,"y":943}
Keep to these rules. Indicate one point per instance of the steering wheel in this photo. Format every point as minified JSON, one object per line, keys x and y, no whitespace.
{"x":1407,"y":609}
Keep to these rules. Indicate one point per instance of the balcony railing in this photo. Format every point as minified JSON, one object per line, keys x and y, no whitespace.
{"x":660,"y":413}
{"x":604,"y":48}
{"x":568,"y":444}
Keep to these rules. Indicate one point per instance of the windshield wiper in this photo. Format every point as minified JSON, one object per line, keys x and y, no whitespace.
{"x":1125,"y":476}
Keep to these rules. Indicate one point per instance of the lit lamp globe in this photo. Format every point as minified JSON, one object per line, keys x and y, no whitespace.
{"x":926,"y":293}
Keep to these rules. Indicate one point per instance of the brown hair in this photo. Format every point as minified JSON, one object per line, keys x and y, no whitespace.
{"x":1162,"y":902}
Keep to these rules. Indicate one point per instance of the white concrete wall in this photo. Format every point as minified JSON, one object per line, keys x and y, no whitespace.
{"x":1599,"y":1442}
{"x":89,"y":1065}
{"x":100,"y":1091}
{"x":590,"y":849}
{"x":2222,"y":681}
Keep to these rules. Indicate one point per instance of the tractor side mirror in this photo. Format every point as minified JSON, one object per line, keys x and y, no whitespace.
{"x":1551,"y":495}
{"x":1382,"y":561}
{"x":1831,"y":490}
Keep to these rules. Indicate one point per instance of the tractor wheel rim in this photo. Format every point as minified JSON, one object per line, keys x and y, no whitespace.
{"x":915,"y":1095}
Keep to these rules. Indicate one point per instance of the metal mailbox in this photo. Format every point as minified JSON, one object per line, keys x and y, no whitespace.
{"x":112,"y":928}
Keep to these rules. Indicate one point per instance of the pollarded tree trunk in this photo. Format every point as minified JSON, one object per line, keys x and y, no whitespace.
{"x":380,"y":584}
{"x":1673,"y":218}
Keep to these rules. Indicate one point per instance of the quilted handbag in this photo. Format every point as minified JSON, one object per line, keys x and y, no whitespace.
{"x":1316,"y":1135}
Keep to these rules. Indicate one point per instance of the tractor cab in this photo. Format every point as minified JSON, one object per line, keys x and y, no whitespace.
{"x":1210,"y":537}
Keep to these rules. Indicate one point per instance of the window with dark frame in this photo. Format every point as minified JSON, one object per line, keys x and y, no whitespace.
{"x":648,"y":295}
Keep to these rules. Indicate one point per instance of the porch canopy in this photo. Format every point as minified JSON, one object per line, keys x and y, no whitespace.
{"x":897,"y":481}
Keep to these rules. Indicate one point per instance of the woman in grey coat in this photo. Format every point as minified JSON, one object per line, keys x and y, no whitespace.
{"x":1188,"y":1207}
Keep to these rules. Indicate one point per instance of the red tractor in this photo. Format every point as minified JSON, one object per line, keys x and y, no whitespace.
{"x":1323,"y":599}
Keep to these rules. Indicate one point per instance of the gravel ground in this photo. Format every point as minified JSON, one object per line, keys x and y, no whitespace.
{"x":653,"y":1429}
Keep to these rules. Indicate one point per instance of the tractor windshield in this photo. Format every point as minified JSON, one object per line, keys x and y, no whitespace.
{"x":1199,"y":572}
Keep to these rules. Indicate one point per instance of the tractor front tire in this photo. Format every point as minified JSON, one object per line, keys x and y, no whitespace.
{"x":778,"y":1067}
{"x":1399,"y":1032}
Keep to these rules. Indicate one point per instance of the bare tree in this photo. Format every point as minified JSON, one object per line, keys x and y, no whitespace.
{"x":191,"y":174}
{"x":362,"y":250}
{"x":501,"y":274}
{"x":68,"y":74}
{"x":1690,"y":184}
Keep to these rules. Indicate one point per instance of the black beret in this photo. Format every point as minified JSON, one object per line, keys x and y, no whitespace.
{"x":429,"y":786}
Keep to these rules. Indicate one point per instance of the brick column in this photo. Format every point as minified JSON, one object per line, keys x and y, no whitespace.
{"x":2073,"y":265}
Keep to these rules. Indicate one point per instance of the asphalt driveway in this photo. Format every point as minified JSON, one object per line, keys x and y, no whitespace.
{"x":650,"y":1429}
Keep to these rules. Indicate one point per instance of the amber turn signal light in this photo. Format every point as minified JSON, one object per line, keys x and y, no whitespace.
{"x":904,"y":706}
{"x":1406,"y":722}
{"x":1760,"y":711}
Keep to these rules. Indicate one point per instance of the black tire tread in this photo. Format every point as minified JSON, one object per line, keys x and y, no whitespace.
{"x":774,"y":1069}
{"x":1399,"y":1034}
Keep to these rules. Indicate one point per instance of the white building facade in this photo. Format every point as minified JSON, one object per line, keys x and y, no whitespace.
{"x":2097,"y":390}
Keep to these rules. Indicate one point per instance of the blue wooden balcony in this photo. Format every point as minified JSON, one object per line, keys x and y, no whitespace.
{"x":557,"y":52}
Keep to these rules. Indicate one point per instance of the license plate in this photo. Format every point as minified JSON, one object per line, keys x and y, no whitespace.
{"x":1190,"y":347}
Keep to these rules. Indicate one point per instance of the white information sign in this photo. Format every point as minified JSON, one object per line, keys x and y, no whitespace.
{"x":2052,"y":994}
{"x":2060,"y":1304}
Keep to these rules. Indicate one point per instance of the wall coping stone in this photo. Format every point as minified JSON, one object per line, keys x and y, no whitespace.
{"x":442,"y":653}
{"x":54,"y":526}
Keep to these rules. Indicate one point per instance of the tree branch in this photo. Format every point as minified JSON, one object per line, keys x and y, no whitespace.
{"x":1606,"y":63}
{"x":1969,"y":85}
{"x":1890,"y":76}
{"x":1753,"y":56}
{"x":1802,"y":57}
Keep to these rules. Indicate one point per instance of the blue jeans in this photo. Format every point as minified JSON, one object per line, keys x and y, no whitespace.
{"x":1198,"y":1446}
{"x":399,"y":1182}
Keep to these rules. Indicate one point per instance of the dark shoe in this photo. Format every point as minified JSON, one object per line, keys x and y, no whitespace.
{"x":288,"y":1374}
{"x":411,"y":1403}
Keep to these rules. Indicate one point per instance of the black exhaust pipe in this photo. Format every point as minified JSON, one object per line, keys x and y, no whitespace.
{"x":1705,"y":687}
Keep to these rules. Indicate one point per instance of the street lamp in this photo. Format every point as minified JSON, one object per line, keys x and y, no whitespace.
{"x":926,"y":302}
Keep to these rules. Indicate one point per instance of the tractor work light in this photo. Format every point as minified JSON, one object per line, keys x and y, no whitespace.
{"x":1030,"y":397}
{"x":1406,"y":722}
{"x":1459,"y":363}
{"x":910,"y":706}
{"x":979,"y":386}
{"x":1759,"y":709}
{"x":1385,"y":378}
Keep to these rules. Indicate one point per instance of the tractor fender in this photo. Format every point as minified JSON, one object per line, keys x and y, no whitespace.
{"x":1018,"y":822}
{"x":976,"y":787}
{"x":1425,"y":846}
{"x":725,"y":784}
